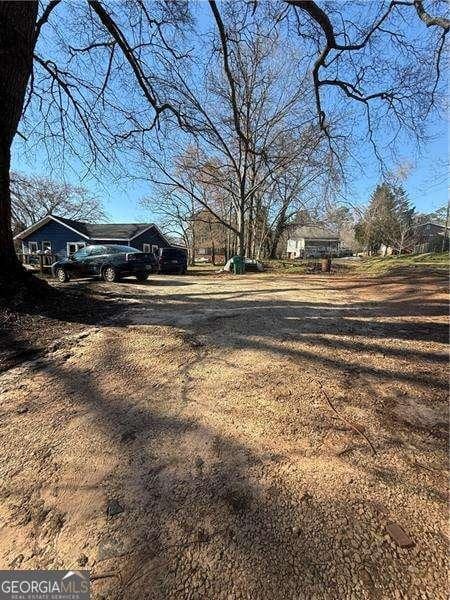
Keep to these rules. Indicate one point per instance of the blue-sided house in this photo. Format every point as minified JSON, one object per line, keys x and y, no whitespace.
{"x":62,"y":237}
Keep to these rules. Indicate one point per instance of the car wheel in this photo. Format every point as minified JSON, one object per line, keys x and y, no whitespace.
{"x":110,"y":274}
{"x":62,"y":275}
{"x":142,"y":276}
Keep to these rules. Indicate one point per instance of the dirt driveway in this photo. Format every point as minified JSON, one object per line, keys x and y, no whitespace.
{"x":187,"y":449}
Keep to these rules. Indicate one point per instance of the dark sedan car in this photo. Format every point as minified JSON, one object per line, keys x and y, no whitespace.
{"x":108,"y":261}
{"x":172,"y":260}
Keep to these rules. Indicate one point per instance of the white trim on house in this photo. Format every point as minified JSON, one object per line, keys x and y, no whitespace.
{"x":42,"y":222}
{"x":36,"y":244}
{"x":47,"y":218}
{"x":149,"y":227}
{"x":69,"y":227}
{"x":32,"y":228}
{"x":77,"y":245}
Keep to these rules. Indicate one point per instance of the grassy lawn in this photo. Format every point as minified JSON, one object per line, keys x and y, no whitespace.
{"x":384,"y":265}
{"x":432,"y":262}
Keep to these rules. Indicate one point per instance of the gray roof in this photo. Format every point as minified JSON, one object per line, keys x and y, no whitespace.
{"x":107,"y":231}
{"x":118,"y":232}
{"x":313,"y":232}
{"x":432,"y":225}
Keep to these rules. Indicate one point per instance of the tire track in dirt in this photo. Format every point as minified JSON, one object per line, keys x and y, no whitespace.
{"x":198,"y":415}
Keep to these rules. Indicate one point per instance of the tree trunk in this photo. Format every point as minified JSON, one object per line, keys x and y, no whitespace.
{"x":17,"y":40}
{"x":241,"y":229}
{"x":445,"y":236}
{"x":275,"y":240}
{"x":250,"y":228}
{"x":280,"y":228}
{"x":211,"y":237}
{"x":241,"y":242}
{"x":193,"y":241}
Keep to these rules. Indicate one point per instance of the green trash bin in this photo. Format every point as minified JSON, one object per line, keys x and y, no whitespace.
{"x":238,"y":264}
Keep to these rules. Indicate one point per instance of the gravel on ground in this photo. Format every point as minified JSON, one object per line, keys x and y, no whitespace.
{"x":184,"y":448}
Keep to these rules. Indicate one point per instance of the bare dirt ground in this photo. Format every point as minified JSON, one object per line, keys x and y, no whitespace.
{"x":187,"y":450}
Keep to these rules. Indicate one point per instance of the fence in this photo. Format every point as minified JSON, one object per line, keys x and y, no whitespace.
{"x":38,"y":262}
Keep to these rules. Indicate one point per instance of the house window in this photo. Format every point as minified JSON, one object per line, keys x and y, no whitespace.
{"x":146,"y":248}
{"x":33,"y":247}
{"x":47,"y":246}
{"x":155,"y":249}
{"x":72,"y":247}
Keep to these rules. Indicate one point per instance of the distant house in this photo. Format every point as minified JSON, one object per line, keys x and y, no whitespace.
{"x":210,"y":237}
{"x":61,"y":237}
{"x":312,"y":240}
{"x":423,"y":237}
{"x":431,"y":237}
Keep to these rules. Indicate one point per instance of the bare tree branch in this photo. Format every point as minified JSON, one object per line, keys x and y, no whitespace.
{"x":45,"y":16}
{"x":428,"y":19}
{"x":141,"y":78}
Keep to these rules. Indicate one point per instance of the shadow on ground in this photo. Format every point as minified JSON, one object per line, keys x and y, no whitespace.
{"x":208,"y":512}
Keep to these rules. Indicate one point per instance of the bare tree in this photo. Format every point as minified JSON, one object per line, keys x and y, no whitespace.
{"x":176,"y":213}
{"x":375,"y":55}
{"x":77,"y":96}
{"x":250,"y":122}
{"x":102,"y":75}
{"x":33,"y":197}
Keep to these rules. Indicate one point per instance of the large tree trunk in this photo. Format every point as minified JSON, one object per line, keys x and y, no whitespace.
{"x":279,"y":230}
{"x":250,"y":228}
{"x":17,"y":40}
{"x":241,"y":229}
{"x":193,"y":242}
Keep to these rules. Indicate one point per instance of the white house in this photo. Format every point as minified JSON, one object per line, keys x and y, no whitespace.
{"x":312,"y":240}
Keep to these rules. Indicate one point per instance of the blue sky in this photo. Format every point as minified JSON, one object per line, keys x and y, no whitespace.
{"x":427,"y":183}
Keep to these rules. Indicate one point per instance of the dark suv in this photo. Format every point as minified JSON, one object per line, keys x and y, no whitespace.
{"x":172,"y":260}
{"x":107,"y":261}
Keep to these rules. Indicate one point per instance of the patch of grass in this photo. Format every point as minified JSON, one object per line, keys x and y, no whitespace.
{"x":286,"y":266}
{"x":432,"y":262}
{"x":308,"y":266}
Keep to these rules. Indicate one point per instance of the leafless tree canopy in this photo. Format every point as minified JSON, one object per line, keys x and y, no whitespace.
{"x":384,"y":56}
{"x":35,"y":197}
{"x":108,"y":85}
{"x":111,"y":71}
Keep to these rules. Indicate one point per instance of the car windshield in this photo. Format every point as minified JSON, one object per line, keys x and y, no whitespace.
{"x":96,"y":250}
{"x":172,"y":253}
{"x":80,"y":253}
{"x":121,"y":249}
